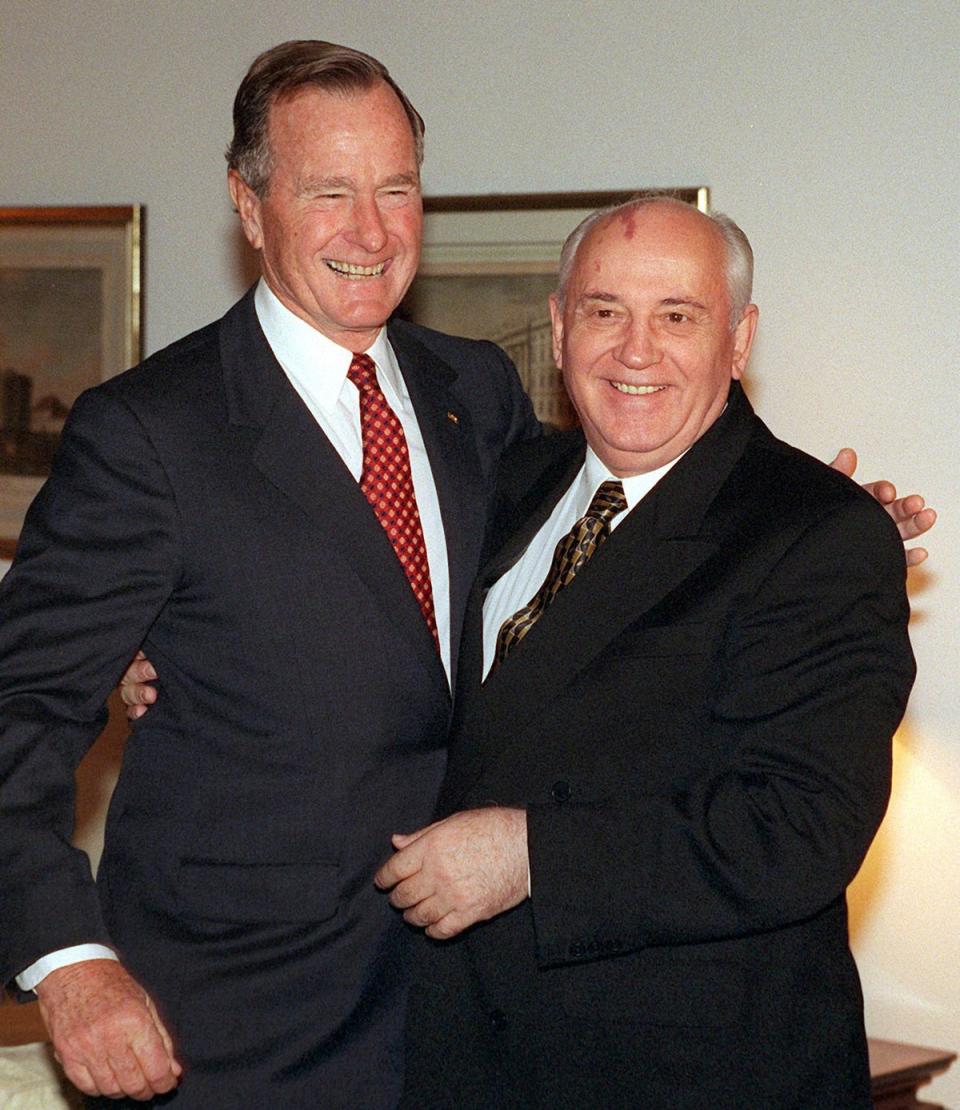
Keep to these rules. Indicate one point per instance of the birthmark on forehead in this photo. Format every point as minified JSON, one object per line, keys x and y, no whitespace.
{"x":629,"y":221}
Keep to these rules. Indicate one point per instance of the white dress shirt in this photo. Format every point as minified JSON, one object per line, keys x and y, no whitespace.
{"x":522,"y":581}
{"x":317,"y":368}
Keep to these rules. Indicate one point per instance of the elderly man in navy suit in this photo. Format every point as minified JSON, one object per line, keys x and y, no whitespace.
{"x":693,"y":646}
{"x":286,"y":510}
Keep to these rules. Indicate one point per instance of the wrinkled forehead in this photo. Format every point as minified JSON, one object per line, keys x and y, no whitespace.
{"x":371,"y":109}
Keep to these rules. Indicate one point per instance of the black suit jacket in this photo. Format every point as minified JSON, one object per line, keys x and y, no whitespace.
{"x":700,"y":731}
{"x":196,"y":508}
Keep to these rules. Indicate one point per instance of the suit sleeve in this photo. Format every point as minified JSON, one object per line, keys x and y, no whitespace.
{"x":812,"y":679}
{"x":97,"y":559}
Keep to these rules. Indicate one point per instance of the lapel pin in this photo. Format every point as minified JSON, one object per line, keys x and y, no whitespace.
{"x":453,"y":418}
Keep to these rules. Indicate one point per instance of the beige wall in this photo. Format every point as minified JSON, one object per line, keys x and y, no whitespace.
{"x":829,"y":130}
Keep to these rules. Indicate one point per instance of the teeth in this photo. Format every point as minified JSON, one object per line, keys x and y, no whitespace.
{"x":637,"y":390}
{"x":347,"y":269}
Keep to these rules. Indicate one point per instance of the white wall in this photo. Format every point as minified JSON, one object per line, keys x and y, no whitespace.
{"x":828,"y":129}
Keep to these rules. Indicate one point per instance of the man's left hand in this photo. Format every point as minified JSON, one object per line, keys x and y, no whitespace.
{"x":135,"y":689}
{"x":910,"y":513}
{"x":456,"y":872}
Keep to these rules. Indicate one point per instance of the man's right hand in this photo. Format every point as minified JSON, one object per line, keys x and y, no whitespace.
{"x":135,"y":689}
{"x":106,"y":1032}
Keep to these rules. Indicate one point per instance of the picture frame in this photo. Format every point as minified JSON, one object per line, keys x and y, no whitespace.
{"x":70,"y":316}
{"x":488,"y":264}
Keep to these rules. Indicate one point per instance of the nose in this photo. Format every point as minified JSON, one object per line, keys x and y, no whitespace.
{"x":367,"y":227}
{"x":639,"y":347}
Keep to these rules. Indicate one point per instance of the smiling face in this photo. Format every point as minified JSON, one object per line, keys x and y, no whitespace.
{"x":643,"y":338}
{"x":339,"y":225}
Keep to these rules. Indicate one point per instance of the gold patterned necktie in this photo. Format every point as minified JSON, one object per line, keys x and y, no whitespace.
{"x":572,"y":553}
{"x":387,"y":483}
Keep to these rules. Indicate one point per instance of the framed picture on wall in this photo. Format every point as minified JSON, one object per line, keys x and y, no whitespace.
{"x":70,"y":304}
{"x":490,"y":262}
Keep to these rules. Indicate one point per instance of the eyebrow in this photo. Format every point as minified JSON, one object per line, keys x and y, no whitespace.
{"x":673,"y":302}
{"x":402,"y":179}
{"x":316,"y":184}
{"x":667,"y":302}
{"x":313,"y":184}
{"x":598,"y":295}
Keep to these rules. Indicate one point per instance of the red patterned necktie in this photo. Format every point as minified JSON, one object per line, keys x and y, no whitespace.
{"x":572,"y":553}
{"x":387,"y":483}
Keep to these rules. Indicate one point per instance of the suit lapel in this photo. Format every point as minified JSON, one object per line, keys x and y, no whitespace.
{"x":293,"y":454}
{"x":517,"y":518}
{"x":660,"y":544}
{"x":521,"y":521}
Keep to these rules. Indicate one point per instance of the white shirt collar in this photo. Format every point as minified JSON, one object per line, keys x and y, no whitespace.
{"x":314,"y":361}
{"x":635,"y":487}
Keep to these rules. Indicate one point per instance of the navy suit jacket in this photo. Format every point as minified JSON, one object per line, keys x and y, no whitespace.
{"x":196,"y":508}
{"x":699,"y":728}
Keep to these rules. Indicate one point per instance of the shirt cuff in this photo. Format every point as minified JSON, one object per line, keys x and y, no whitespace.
{"x":32,"y":975}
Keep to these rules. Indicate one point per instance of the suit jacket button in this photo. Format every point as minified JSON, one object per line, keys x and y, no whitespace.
{"x":498,"y":1021}
{"x":560,"y":791}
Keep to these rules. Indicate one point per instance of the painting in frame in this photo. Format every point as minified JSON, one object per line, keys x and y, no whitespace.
{"x":70,"y":306}
{"x":490,"y":262}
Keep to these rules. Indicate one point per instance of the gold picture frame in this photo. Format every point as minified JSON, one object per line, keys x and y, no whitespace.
{"x":70,"y":316}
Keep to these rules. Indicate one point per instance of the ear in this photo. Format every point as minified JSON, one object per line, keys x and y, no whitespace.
{"x":556,"y":319}
{"x":247,"y":204}
{"x":743,"y":340}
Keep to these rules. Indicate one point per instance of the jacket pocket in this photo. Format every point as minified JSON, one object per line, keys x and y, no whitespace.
{"x":258,"y":893}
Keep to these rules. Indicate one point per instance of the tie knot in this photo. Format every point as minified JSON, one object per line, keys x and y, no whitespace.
{"x":607,"y":501}
{"x":363,"y":372}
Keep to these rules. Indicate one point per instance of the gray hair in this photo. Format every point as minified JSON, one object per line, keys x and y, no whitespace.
{"x":739,"y":260}
{"x":281,"y":72}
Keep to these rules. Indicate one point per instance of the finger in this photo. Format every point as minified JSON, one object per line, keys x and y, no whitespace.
{"x":883,"y":491}
{"x":147,"y":1071}
{"x":411,"y":891}
{"x":104,"y":1079}
{"x":918,"y":523}
{"x":135,"y":712}
{"x":129,"y":1076}
{"x":905,"y":508}
{"x":916,"y":556}
{"x":154,"y":1052}
{"x":165,"y":1038}
{"x":908,"y":506}
{"x":93,"y":1071}
{"x":450,"y":925}
{"x":140,"y":1059}
{"x":140,"y":670}
{"x":79,"y":1075}
{"x":85,"y":1070}
{"x":138,"y":693}
{"x":400,"y":866}
{"x":403,"y":840}
{"x":846,"y":461}
{"x":426,"y":913}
